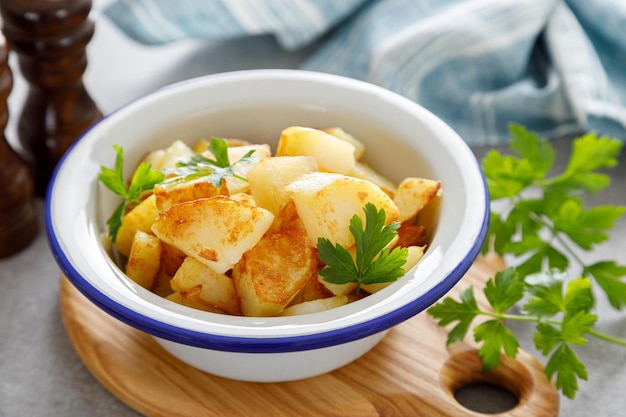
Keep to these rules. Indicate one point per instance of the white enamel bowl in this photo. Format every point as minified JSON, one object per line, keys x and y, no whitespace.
{"x":401,"y":138}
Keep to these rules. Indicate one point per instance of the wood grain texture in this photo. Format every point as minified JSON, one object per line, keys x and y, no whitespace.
{"x":409,"y":373}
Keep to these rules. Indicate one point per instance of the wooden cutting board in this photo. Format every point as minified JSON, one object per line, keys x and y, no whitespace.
{"x":409,"y":373}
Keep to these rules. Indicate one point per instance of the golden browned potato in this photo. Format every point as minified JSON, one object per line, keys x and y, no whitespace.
{"x":312,"y":290}
{"x":270,"y":274}
{"x":141,"y":217}
{"x":270,"y":176}
{"x":144,"y":260}
{"x":326,"y":202}
{"x":168,"y":195}
{"x":413,"y":194}
{"x":171,"y":259}
{"x":216,"y":231}
{"x":199,"y":282}
{"x":365,"y":172}
{"x":191,"y":301}
{"x":236,"y":153}
{"x":315,"y":306}
{"x":160,"y":159}
{"x":161,"y":286}
{"x":331,"y":153}
{"x":338,"y":132}
{"x":411,"y":234}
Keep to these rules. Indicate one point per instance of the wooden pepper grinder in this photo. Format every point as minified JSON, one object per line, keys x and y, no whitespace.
{"x":18,"y":214}
{"x":50,"y":38}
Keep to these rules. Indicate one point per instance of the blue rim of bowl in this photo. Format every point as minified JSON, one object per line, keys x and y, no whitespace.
{"x":254,"y":344}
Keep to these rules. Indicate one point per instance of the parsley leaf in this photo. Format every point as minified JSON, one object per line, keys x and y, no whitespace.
{"x":608,"y":275}
{"x":143,"y":179}
{"x":215,"y":170}
{"x":449,"y":310}
{"x":374,"y":262}
{"x":496,"y":337}
{"x":505,"y":290}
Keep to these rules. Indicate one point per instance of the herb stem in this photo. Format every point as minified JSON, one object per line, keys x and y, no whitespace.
{"x":611,"y":339}
{"x":534,"y":319}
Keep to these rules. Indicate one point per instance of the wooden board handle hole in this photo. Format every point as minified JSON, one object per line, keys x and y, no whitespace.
{"x":462,"y":377}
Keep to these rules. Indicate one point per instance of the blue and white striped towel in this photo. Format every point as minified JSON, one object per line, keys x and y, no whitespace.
{"x":554,"y":66}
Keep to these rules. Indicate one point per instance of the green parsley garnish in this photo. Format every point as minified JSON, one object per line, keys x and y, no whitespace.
{"x":213,"y":169}
{"x":543,"y":227}
{"x":143,"y":179}
{"x":374,"y":263}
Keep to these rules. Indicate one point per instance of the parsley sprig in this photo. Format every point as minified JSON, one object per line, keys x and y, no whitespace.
{"x":374,"y":261}
{"x":542,"y":228}
{"x":215,"y":170}
{"x":143,"y":179}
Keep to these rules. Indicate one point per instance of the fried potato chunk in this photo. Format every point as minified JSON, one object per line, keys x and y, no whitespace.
{"x":199,"y":282}
{"x":270,"y":274}
{"x":216,"y":231}
{"x":315,"y":306}
{"x":270,"y":176}
{"x":413,"y":194}
{"x":144,"y":260}
{"x":168,"y":195}
{"x":326,"y":202}
{"x":366,"y":172}
{"x":167,"y":158}
{"x":141,"y":217}
{"x":236,"y":153}
{"x":331,"y":153}
{"x":359,"y":147}
{"x":185,"y":300}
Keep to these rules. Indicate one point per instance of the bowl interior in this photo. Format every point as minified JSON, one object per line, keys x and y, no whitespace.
{"x":401,"y":138}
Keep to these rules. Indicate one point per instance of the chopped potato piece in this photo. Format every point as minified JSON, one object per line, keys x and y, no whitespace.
{"x":270,"y":274}
{"x":315,"y":306}
{"x":331,"y":153}
{"x":270,"y":176}
{"x":171,"y":259}
{"x":167,"y":158}
{"x":144,"y":260}
{"x":216,"y":231}
{"x":244,"y":198}
{"x":338,"y":132}
{"x":184,"y":299}
{"x":171,"y":194}
{"x":161,"y":284}
{"x":365,"y":172}
{"x":200,"y":282}
{"x":287,"y":218}
{"x":141,"y":217}
{"x":413,"y":194}
{"x":411,"y":234}
{"x":326,"y":202}
{"x":260,"y":152}
{"x":337,"y":289}
{"x":313,"y":290}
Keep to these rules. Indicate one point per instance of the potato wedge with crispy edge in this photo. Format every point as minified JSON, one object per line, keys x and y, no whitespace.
{"x":270,"y":274}
{"x":326,"y":202}
{"x":144,"y":260}
{"x":200,"y":282}
{"x":216,"y":231}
